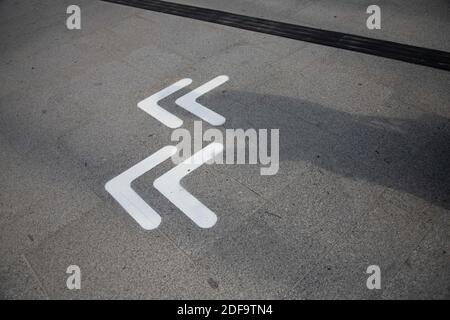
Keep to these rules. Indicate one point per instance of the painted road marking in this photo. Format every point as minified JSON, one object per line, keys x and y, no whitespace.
{"x":120,"y":188}
{"x":169,"y":185}
{"x":188,"y":102}
{"x":150,"y":105}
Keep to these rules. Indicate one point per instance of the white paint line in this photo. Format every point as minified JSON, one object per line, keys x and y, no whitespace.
{"x":169,"y":185}
{"x":150,"y":105}
{"x":188,"y":102}
{"x":120,"y":188}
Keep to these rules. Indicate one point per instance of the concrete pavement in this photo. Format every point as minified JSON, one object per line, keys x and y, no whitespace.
{"x":364,"y":155}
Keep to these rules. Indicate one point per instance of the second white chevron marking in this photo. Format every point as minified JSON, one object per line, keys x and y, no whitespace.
{"x":150,"y":105}
{"x":188,"y":102}
{"x":120,"y":188}
{"x":169,"y":185}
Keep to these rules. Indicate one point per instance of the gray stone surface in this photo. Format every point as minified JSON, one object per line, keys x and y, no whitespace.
{"x":364,"y":153}
{"x":19,"y":282}
{"x":418,"y":23}
{"x":40,"y":51}
{"x":375,"y":240}
{"x":231,"y":201}
{"x":424,"y":274}
{"x":117,"y":263}
{"x":257,"y":262}
{"x":50,"y":192}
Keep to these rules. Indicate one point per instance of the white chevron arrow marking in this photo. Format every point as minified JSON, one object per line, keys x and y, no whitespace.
{"x":150,"y":105}
{"x":188,"y":102}
{"x":120,"y":188}
{"x":169,"y":185}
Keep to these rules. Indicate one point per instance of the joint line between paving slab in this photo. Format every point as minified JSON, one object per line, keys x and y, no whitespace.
{"x":36,"y":277}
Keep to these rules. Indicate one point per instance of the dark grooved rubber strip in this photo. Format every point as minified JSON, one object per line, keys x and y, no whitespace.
{"x":387,"y":49}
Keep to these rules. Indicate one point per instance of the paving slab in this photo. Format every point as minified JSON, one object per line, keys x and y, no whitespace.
{"x":319,"y":202}
{"x":257,"y":262}
{"x":231,"y":201}
{"x":189,"y":39}
{"x":52,"y":193}
{"x":416,"y":86}
{"x":374,"y":241}
{"x":18,"y":282}
{"x":363,"y":158}
{"x":424,"y":273}
{"x":44,"y":114}
{"x":15,"y":182}
{"x":117,"y":263}
{"x":416,"y":23}
{"x":420,"y":23}
{"x":45,"y":52}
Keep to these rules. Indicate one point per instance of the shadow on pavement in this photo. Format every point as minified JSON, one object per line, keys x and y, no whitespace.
{"x":410,"y":155}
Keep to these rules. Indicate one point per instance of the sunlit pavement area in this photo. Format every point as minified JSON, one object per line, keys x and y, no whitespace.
{"x":364,"y":173}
